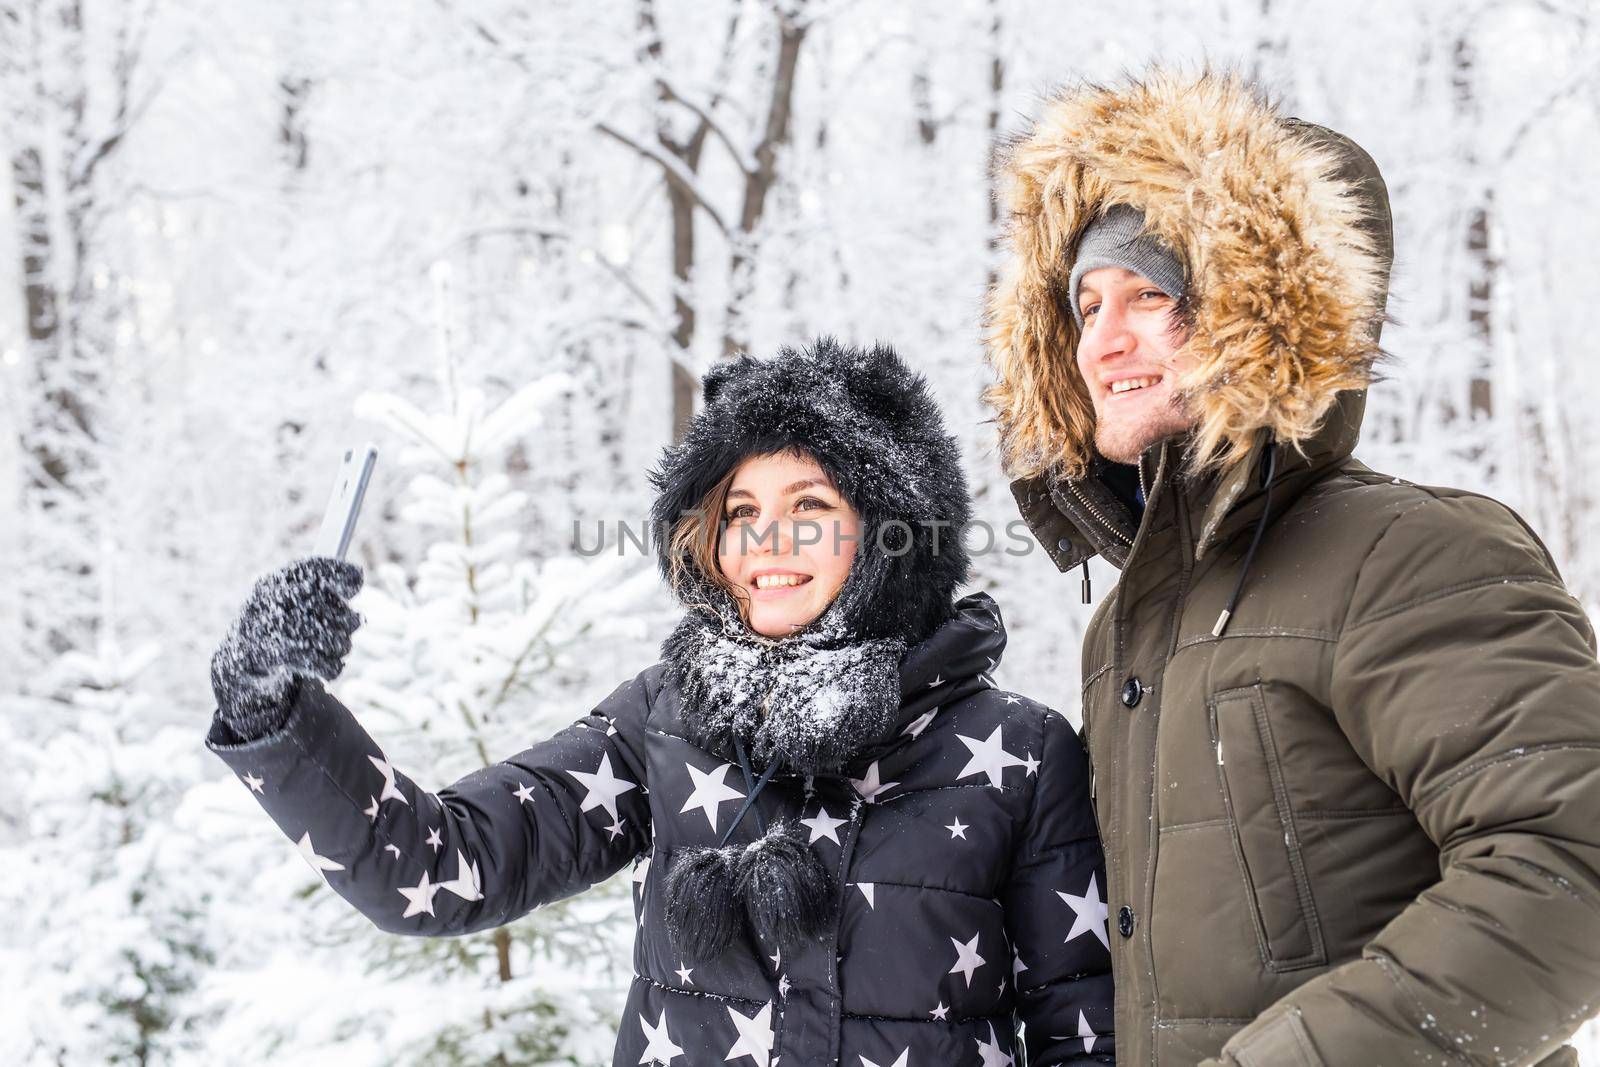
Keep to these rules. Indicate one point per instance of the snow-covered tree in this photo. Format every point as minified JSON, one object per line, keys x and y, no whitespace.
{"x":471,"y":654}
{"x":118,"y":937}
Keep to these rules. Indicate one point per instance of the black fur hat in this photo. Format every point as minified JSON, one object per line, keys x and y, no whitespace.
{"x":872,"y":424}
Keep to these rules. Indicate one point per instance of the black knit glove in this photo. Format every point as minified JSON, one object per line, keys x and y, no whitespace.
{"x":294,"y":623}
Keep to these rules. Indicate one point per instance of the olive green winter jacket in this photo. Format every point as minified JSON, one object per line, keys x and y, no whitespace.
{"x":1357,"y":821}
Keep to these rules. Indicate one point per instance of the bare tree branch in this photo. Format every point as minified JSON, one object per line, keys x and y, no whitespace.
{"x":1589,"y":78}
{"x":741,"y":155}
{"x":671,"y":168}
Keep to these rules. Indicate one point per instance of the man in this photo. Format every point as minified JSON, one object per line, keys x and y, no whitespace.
{"x":1345,"y":729}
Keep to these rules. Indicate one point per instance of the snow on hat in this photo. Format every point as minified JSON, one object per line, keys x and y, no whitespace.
{"x":872,"y":424}
{"x":1118,"y":239}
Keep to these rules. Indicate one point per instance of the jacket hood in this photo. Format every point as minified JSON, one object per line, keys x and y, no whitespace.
{"x":873,"y":425}
{"x":1284,"y":231}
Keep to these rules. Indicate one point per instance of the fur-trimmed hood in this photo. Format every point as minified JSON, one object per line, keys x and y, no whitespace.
{"x":872,"y":423}
{"x":1283,"y":229}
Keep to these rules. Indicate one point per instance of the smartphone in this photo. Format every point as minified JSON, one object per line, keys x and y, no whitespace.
{"x":339,"y":521}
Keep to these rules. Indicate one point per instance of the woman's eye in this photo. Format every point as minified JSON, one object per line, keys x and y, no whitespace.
{"x":743,"y":511}
{"x":800,"y":505}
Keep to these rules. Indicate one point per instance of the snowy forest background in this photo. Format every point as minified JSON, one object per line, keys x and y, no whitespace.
{"x":502,"y":240}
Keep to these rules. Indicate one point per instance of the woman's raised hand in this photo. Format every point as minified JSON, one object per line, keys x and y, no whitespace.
{"x":295,"y":622}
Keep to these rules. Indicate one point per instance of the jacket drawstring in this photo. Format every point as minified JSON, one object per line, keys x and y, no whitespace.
{"x":754,"y":787}
{"x":1261,"y":525}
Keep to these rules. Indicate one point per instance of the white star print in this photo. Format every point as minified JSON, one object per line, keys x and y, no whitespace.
{"x":467,"y":884}
{"x":1012,"y":698}
{"x":783,"y":990}
{"x":603,"y":787}
{"x":434,"y":839}
{"x":641,"y":870}
{"x":958,"y":829}
{"x":253,"y":782}
{"x":777,"y":960}
{"x":867,"y":889}
{"x":420,"y":898}
{"x":393,"y":848}
{"x":1030,"y":765}
{"x":1086,"y":1032}
{"x":967,"y":959}
{"x":1090,"y":913}
{"x":615,"y":829}
{"x":869,"y":787}
{"x":371,"y":810}
{"x":318,"y":863}
{"x":658,"y":1042}
{"x":824,"y":825}
{"x":992,"y":1056}
{"x":940,"y":1012}
{"x":988,"y":757}
{"x":938,"y":680}
{"x":683,"y":974}
{"x":755,"y":1036}
{"x":390,"y":792}
{"x":710,"y":790}
{"x":901,"y":1061}
{"x":919,"y":724}
{"x":525,"y":793}
{"x":1017,"y":966}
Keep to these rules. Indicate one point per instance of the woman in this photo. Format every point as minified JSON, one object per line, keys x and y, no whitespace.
{"x":852,"y":847}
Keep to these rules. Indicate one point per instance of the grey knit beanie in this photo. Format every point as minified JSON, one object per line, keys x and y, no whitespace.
{"x":1116,"y":239}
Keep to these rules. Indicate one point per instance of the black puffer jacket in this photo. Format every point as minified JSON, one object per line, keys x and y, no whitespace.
{"x":962,"y":848}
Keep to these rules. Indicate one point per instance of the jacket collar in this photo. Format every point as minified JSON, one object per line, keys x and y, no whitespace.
{"x":1076,"y":519}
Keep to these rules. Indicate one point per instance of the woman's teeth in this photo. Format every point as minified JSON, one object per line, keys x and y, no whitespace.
{"x":775,"y":581}
{"x":1130,"y":384}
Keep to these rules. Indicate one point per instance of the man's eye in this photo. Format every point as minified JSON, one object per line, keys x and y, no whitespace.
{"x":1153,"y":292}
{"x":1090,"y":310}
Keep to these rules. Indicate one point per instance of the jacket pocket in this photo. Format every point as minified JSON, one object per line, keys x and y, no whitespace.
{"x":1283,"y":1042}
{"x":1265,"y":841}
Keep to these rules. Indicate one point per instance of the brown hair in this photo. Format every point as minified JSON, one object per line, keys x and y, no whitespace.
{"x":693,"y":547}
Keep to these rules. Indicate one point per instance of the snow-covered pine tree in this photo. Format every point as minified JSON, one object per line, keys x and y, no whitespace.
{"x":469,"y":656}
{"x":117,"y":931}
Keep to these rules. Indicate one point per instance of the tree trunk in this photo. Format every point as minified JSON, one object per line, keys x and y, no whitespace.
{"x":997,"y":86}
{"x":1477,"y":218}
{"x":759,"y":182}
{"x":682,"y":204}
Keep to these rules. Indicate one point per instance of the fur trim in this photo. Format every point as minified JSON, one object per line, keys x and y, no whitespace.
{"x":787,"y":891}
{"x":873,"y":425}
{"x":1286,"y":269}
{"x":702,"y":909}
{"x":812,"y":700}
{"x":777,"y":883}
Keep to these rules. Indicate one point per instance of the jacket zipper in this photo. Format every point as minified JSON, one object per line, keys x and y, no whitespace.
{"x":1107,"y":523}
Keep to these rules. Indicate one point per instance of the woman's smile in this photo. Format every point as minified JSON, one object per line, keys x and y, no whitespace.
{"x":771,"y":585}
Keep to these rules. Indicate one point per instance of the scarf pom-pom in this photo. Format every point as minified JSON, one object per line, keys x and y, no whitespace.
{"x":787,"y":891}
{"x":702,"y":907}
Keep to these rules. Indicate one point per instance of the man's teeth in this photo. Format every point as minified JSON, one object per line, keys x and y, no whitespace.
{"x":1128,"y":384}
{"x":773,"y":581}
